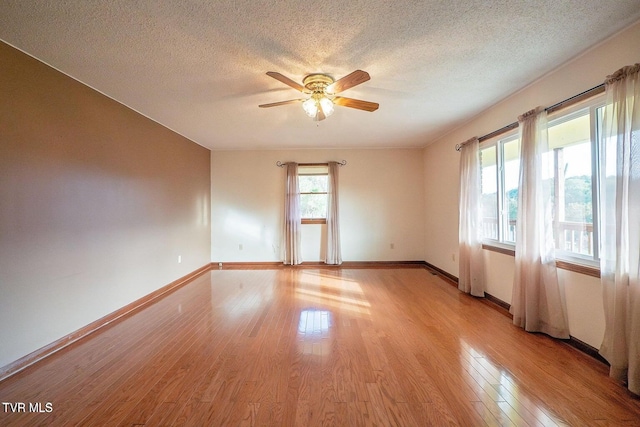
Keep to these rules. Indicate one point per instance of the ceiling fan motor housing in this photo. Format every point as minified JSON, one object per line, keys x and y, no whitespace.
{"x":317,"y":82}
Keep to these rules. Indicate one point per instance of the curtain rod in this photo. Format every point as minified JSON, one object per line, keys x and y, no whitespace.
{"x":280,"y":164}
{"x":597,"y":90}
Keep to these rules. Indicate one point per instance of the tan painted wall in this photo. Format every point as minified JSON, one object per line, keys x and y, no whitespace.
{"x":441,"y":163}
{"x":96,"y":204}
{"x":381,"y":202}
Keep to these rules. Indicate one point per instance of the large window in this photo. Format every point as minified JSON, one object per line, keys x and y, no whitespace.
{"x":312,"y":181}
{"x":573,"y":147}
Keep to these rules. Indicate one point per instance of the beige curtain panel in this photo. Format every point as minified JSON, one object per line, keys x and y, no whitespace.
{"x":620,"y":224}
{"x":292,"y":220}
{"x":471,"y":274}
{"x":537,"y":302}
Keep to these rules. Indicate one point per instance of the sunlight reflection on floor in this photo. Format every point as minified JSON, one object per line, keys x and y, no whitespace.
{"x":314,"y":331}
{"x":330,"y":291}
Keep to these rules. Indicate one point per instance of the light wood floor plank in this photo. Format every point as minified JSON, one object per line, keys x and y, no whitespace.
{"x":343,"y":347}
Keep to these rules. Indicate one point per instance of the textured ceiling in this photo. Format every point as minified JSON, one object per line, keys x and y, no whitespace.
{"x":198,"y":67}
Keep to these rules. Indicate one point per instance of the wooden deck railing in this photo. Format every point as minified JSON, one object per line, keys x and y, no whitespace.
{"x":576,"y":237}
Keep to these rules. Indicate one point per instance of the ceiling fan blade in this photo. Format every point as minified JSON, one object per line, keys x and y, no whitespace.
{"x":348,"y":81}
{"x":275,"y":104}
{"x":356,"y":103}
{"x":286,"y":80}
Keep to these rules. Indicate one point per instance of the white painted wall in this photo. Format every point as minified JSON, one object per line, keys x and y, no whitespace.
{"x":381,"y":202}
{"x":441,"y":165}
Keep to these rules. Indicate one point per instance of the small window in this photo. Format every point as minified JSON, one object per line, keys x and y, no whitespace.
{"x":313,"y":181}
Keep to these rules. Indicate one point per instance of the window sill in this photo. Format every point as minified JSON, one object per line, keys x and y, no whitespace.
{"x":314,"y":221}
{"x":565,"y":265}
{"x":502,"y":249}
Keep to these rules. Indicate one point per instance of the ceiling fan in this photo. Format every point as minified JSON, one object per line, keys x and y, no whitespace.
{"x":322,"y":90}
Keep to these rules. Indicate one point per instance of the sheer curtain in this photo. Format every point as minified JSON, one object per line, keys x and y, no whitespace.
{"x":620,"y":225}
{"x":292,"y":221}
{"x":470,"y":240}
{"x":334,"y":255}
{"x":538,"y":303}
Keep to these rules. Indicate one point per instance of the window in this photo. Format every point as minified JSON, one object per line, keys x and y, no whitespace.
{"x":573,"y":145}
{"x":489,"y":189}
{"x":499,"y":182}
{"x":313,"y":180}
{"x":572,"y":141}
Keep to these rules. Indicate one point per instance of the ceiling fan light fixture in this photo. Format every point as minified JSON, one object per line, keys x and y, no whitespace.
{"x":317,"y":104}
{"x":327,"y":106}
{"x":310,"y":107}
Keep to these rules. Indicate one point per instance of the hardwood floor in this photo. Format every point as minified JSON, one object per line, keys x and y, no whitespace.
{"x":313,"y":347}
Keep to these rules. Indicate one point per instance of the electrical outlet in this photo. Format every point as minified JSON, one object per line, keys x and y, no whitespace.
{"x":453,"y":257}
{"x":179,"y":259}
{"x":240,"y":246}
